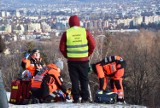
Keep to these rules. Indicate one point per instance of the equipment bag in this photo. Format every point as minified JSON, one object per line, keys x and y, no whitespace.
{"x":106,"y":97}
{"x":20,"y":91}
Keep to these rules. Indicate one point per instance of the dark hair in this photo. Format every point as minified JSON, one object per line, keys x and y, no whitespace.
{"x":34,"y":50}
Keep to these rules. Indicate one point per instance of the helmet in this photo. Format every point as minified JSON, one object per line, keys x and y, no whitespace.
{"x":59,"y":64}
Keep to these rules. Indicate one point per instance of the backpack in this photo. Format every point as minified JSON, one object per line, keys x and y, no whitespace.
{"x":107,"y":97}
{"x":20,"y":91}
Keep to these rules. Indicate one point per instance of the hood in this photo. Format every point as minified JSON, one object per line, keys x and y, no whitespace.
{"x":74,"y":21}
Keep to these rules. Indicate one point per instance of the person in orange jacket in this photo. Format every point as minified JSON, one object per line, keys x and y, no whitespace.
{"x":49,"y":83}
{"x":32,"y":62}
{"x":111,"y":66}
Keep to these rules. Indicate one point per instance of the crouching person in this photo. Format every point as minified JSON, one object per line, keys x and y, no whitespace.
{"x":48,"y":84}
{"x":113,"y":67}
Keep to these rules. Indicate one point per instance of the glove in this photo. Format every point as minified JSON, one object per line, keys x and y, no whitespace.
{"x":60,"y":94}
{"x":99,"y":92}
{"x":26,"y":74}
{"x":26,"y":55}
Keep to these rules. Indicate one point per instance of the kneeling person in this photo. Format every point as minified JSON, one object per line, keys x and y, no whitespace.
{"x":47,"y":83}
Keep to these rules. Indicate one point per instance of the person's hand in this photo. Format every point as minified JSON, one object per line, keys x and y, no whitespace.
{"x":60,"y":94}
{"x":68,"y":97}
{"x":26,"y":55}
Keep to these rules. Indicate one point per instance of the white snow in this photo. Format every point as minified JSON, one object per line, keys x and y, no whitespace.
{"x":72,"y":105}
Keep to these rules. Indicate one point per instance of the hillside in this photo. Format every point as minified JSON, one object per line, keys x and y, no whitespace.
{"x":141,"y":51}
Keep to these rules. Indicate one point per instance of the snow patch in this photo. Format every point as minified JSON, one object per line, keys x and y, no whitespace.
{"x":72,"y":105}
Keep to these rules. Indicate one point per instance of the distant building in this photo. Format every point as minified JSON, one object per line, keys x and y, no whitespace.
{"x":8,"y":14}
{"x":45,"y":27}
{"x":151,"y":19}
{"x":34,"y":27}
{"x":5,"y":29}
{"x":8,"y":28}
{"x":137,"y":20}
{"x":105,"y":24}
{"x":2,"y":14}
{"x":33,"y":17}
{"x":18,"y":14}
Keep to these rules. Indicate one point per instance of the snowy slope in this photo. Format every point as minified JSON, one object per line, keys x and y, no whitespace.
{"x":71,"y":105}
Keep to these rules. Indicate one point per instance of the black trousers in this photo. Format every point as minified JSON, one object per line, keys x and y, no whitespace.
{"x":78,"y":72}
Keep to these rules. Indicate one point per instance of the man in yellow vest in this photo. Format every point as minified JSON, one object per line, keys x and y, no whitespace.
{"x":77,"y":44}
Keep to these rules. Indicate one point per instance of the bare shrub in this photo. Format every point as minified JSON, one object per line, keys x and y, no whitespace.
{"x":140,"y":50}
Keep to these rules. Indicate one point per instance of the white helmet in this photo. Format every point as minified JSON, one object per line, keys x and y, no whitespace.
{"x":59,"y":63}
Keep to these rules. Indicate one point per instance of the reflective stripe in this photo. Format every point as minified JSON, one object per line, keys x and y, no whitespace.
{"x":120,"y":97}
{"x":38,"y":78}
{"x":14,"y":87}
{"x":53,"y":95}
{"x":110,"y":59}
{"x":113,"y":67}
{"x":120,"y":94}
{"x":61,"y":79}
{"x":13,"y":100}
{"x":76,"y":46}
{"x":106,"y":60}
{"x":121,"y":59}
{"x":77,"y":51}
{"x":110,"y":93}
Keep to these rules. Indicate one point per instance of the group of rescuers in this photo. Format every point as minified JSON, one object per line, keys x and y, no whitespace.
{"x":76,"y":45}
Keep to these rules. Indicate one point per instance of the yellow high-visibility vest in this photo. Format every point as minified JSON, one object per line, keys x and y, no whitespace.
{"x":77,"y":43}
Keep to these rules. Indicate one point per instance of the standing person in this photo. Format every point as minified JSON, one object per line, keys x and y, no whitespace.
{"x":77,"y":44}
{"x":111,"y":66}
{"x":32,"y":62}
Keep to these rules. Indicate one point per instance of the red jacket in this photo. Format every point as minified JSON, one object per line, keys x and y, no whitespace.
{"x":74,"y":21}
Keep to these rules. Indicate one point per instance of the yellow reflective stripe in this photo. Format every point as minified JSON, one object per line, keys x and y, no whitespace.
{"x":13,"y":100}
{"x":76,"y":46}
{"x":78,"y":49}
{"x":76,"y":55}
{"x":109,"y":93}
{"x":14,"y":87}
{"x":77,"y":52}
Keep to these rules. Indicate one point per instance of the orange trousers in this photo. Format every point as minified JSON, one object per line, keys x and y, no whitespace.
{"x":115,"y":81}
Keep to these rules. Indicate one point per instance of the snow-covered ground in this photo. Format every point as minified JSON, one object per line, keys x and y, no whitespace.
{"x":71,"y":105}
